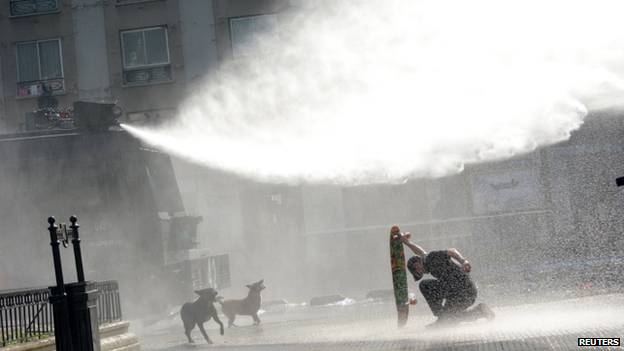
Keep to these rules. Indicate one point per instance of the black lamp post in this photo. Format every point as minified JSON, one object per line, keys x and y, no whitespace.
{"x":77,"y":302}
{"x":58,"y":297}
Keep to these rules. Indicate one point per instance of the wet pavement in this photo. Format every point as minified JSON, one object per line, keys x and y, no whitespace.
{"x":541,"y":324}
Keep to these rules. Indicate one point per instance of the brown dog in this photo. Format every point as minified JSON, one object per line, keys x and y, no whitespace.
{"x":199,"y":312}
{"x":249,"y":306}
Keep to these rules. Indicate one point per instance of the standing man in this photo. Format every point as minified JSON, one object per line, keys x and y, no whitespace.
{"x":453,"y":291}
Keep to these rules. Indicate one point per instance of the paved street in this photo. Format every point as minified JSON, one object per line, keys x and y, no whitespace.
{"x":368,"y":325}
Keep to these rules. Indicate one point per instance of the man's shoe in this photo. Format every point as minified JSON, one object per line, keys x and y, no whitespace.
{"x":486,"y":311}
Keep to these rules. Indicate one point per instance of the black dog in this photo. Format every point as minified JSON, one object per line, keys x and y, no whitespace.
{"x":200,"y":311}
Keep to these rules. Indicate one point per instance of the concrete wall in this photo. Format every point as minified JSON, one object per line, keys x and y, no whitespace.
{"x":91,"y":55}
{"x":198,"y":41}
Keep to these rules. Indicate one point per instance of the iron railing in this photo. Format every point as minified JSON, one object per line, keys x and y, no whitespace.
{"x":35,"y":87}
{"x":147,"y":75}
{"x":127,"y":1}
{"x":27,"y":7}
{"x":108,"y":303}
{"x":27,"y":315}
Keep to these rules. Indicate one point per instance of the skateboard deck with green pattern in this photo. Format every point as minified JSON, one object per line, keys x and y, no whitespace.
{"x":399,"y":275}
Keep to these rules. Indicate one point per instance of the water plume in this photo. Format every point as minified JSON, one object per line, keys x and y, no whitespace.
{"x":362,"y":92}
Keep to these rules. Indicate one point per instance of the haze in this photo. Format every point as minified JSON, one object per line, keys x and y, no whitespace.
{"x":380,"y":92}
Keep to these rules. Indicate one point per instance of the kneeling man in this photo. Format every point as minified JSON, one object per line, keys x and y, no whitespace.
{"x":452,"y":292}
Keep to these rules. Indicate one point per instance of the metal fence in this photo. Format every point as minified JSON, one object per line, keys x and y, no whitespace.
{"x":27,"y":315}
{"x":108,"y":303}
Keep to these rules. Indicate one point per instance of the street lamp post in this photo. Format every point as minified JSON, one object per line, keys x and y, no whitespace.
{"x":77,"y":302}
{"x":58,"y":297}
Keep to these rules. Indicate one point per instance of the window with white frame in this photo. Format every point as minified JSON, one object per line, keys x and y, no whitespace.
{"x":254,"y":35}
{"x":145,"y":55}
{"x":39,"y":63}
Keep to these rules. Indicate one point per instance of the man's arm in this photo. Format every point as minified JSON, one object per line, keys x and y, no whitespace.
{"x":417,"y":249}
{"x":456,"y":255}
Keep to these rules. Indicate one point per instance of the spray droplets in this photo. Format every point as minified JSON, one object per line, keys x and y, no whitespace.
{"x":381,"y":92}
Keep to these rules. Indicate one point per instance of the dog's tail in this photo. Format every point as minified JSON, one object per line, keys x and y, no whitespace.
{"x":219,"y":298}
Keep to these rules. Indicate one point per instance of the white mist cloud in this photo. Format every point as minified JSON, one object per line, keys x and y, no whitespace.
{"x":383,"y":91}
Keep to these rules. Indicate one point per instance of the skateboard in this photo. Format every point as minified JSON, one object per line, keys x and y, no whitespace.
{"x":399,"y":275}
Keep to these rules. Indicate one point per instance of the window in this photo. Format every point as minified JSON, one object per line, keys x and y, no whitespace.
{"x":27,"y":7}
{"x":254,"y":35}
{"x":38,"y":64}
{"x":145,"y":55}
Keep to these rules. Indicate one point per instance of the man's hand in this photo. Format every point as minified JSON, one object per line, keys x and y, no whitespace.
{"x":405,"y":238}
{"x":466,"y":266}
{"x":462,"y":261}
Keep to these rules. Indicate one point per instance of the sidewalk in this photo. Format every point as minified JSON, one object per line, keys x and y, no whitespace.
{"x":553,"y":325}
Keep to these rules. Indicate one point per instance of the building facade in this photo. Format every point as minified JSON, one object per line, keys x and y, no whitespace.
{"x":129,"y":52}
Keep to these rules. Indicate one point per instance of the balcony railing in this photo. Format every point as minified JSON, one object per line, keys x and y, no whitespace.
{"x":35,"y":87}
{"x":27,"y":7}
{"x":147,"y":75}
{"x":128,"y":1}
